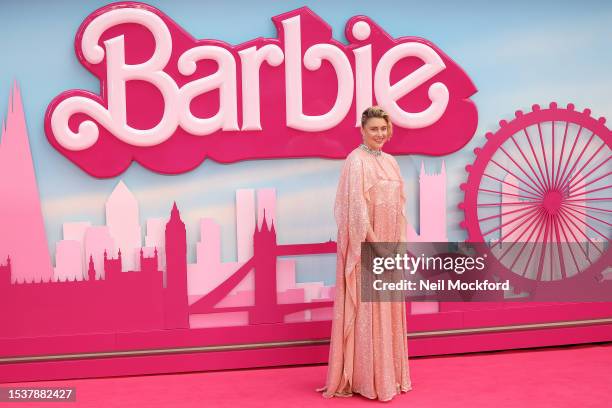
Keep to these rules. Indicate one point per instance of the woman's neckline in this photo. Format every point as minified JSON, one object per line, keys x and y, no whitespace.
{"x":375,"y":153}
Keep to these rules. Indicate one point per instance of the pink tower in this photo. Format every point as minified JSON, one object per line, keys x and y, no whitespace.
{"x":91,"y":270}
{"x":122,"y":219}
{"x":248,"y":220}
{"x":245,"y":223}
{"x":432,"y":208}
{"x":98,"y":242}
{"x":264,"y":247}
{"x":22,"y":235}
{"x":266,"y":205}
{"x":155,"y":239}
{"x":70,"y":260}
{"x":176,"y":310}
{"x":206,"y":273}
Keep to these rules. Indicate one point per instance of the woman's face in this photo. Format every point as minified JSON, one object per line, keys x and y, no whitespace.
{"x":375,"y":133}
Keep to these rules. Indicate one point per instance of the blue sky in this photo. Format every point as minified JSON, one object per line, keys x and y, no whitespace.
{"x":517,"y":53}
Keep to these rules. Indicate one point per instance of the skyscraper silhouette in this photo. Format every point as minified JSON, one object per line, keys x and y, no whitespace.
{"x":22,"y":230}
{"x":176,"y":312}
{"x":122,"y":219}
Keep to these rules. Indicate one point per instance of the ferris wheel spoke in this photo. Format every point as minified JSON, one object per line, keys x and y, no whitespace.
{"x":537,"y":239}
{"x":506,"y":213}
{"x":544,"y":154}
{"x":533,"y":213}
{"x":534,"y":217}
{"x":551,"y":246}
{"x":539,"y":184}
{"x":588,"y":215}
{"x":569,"y":182}
{"x":559,"y":248}
{"x":590,"y":191}
{"x":568,"y":243}
{"x":513,"y":185}
{"x":569,"y":158}
{"x":517,"y":257}
{"x":536,"y":159}
{"x":511,"y":203}
{"x":543,"y":251}
{"x":565,"y":181}
{"x":508,"y":222}
{"x":537,"y":190}
{"x":588,"y":207}
{"x":591,"y":171}
{"x":585,"y":224}
{"x":502,"y":193}
{"x":590,"y":182}
{"x":561,"y":156}
{"x":567,"y":221}
{"x":590,"y":199}
{"x":552,"y":160}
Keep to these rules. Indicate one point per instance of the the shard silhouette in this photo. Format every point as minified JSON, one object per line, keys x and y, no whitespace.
{"x":22,"y":230}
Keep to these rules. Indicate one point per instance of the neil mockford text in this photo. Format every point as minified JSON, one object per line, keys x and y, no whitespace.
{"x":412,"y":264}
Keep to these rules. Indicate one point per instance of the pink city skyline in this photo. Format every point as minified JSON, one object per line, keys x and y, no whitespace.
{"x":89,"y":252}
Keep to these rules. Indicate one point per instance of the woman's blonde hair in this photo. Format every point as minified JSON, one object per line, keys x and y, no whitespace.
{"x":377,"y":112}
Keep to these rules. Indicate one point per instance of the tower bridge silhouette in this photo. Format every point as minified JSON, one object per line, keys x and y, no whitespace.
{"x":263,"y":264}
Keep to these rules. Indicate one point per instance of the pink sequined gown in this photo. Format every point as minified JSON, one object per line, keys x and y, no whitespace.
{"x":368,"y":352}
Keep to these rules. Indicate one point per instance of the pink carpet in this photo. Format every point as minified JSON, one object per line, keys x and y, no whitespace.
{"x":573,"y":376}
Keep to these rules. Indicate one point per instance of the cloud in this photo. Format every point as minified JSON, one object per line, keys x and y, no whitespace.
{"x":293,"y":209}
{"x":63,"y":207}
{"x":73,"y":204}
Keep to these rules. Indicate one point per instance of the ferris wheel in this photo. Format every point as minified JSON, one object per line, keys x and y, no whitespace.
{"x":538,"y":193}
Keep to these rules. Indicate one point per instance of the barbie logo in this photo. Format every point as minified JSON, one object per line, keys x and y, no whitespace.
{"x":169,"y":101}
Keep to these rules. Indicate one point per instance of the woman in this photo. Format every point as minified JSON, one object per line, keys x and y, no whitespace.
{"x":368,"y":352}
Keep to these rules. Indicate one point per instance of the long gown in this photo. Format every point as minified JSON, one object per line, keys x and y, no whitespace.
{"x":368,"y":351}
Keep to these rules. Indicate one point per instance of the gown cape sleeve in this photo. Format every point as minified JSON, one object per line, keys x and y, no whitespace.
{"x":351,"y":211}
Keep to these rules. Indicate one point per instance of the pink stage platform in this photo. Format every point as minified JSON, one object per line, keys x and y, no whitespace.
{"x":571,"y":376}
{"x":172,"y":351}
